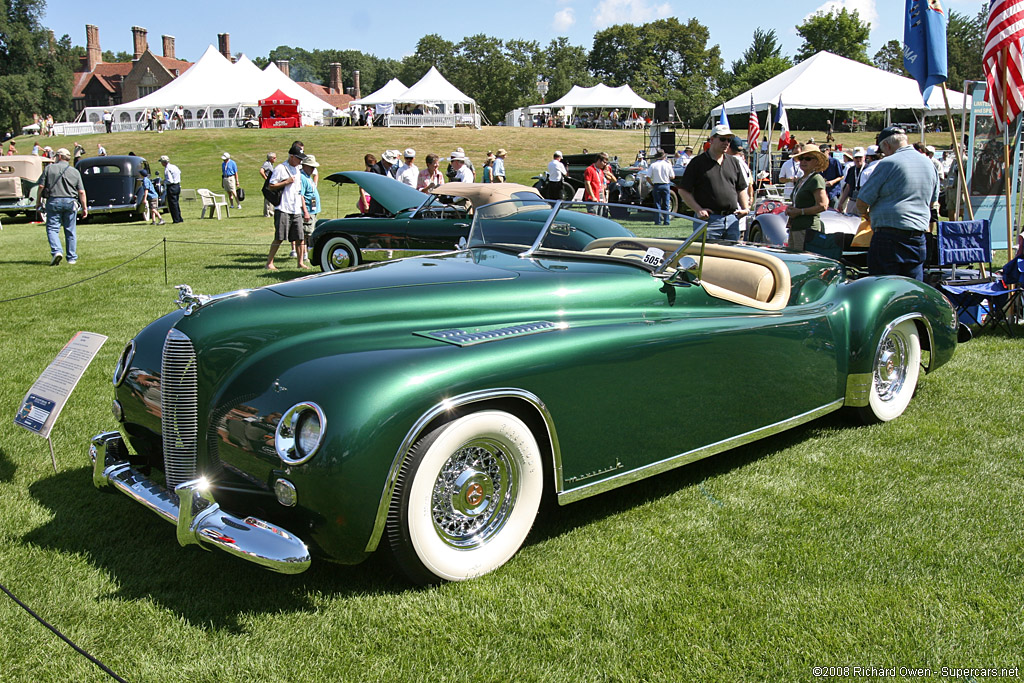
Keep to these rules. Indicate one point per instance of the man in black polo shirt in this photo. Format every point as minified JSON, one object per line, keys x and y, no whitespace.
{"x":714,"y":186}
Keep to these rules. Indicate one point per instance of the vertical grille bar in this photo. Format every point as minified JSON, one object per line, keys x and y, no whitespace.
{"x":179,"y":409}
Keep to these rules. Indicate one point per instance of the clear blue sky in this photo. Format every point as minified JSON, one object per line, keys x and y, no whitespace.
{"x":390,"y":28}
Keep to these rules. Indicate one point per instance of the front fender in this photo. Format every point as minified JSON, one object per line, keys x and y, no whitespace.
{"x":773,"y":227}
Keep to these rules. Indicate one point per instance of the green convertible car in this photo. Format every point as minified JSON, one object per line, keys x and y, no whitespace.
{"x":426,"y":404}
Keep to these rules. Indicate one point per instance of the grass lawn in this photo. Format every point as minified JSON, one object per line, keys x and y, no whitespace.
{"x":828,"y":545}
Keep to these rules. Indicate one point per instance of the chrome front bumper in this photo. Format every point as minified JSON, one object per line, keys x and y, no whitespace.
{"x":198,"y":518}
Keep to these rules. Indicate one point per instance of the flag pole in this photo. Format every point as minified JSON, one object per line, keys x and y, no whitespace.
{"x":771,"y":130}
{"x":959,"y":155}
{"x":1006,"y":151}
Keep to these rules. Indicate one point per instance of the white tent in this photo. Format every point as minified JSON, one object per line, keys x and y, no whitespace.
{"x":385,"y":95}
{"x":601,"y":96}
{"x":828,"y":81}
{"x":433,"y":101}
{"x":214,"y":93}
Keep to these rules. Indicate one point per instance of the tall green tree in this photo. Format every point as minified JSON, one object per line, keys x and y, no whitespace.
{"x":565,"y":65}
{"x":890,"y":58}
{"x":35,"y":69}
{"x":965,"y":42}
{"x":762,"y":60}
{"x":842,"y":33}
{"x":431,"y":50}
{"x":664,"y":59}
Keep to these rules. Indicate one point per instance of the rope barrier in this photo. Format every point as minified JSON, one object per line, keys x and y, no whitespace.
{"x":73,"y":284}
{"x":103,"y":667}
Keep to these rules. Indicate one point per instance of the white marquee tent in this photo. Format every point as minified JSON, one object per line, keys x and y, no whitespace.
{"x":601,"y":96}
{"x":213,"y":93}
{"x":434,"y":101}
{"x":828,"y":81}
{"x":385,"y":95}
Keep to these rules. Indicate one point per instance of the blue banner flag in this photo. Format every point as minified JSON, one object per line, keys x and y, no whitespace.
{"x":924,"y":44}
{"x":722,"y":118}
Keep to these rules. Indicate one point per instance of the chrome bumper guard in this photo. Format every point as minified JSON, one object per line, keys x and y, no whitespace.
{"x":198,"y":518}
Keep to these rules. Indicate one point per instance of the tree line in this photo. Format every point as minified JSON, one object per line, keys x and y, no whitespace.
{"x":667,"y":59}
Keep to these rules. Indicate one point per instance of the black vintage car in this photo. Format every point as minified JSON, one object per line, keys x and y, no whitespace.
{"x":113,"y":184}
{"x":631,"y":186}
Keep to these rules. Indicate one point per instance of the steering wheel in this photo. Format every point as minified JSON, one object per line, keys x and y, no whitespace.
{"x":625,"y":244}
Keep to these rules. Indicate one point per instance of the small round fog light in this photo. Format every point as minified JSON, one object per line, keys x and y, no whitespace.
{"x":286,"y":494}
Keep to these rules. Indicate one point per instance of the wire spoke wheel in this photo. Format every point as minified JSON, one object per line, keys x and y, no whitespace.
{"x":465,"y":498}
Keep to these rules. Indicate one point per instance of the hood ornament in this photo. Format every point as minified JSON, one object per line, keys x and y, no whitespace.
{"x":189,"y":301}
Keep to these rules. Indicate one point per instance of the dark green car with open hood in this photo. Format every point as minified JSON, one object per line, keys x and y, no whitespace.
{"x":423,"y":406}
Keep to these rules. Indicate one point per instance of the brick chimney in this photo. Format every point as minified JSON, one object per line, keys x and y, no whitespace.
{"x":283,"y":65}
{"x":169,"y":47}
{"x":336,"y":78}
{"x":355,"y":80}
{"x":93,"y":54}
{"x":139,"y":41}
{"x":224,"y":45}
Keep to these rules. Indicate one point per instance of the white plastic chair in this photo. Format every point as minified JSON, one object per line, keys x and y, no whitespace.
{"x":213,"y":201}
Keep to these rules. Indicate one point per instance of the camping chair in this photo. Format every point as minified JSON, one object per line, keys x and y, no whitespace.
{"x":213,"y":202}
{"x":972,"y":292}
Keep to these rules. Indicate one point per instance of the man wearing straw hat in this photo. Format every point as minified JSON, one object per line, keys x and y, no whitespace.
{"x":809,"y":196}
{"x":898,"y":195}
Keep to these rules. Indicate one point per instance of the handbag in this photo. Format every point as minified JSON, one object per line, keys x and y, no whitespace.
{"x":241,"y":195}
{"x":273,"y":197}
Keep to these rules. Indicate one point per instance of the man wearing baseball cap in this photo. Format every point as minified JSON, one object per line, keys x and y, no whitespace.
{"x":897,"y":197}
{"x":229,"y":178}
{"x":290,"y":213}
{"x":714,"y":186}
{"x":61,"y":185}
{"x":172,"y":180}
{"x":556,"y":175}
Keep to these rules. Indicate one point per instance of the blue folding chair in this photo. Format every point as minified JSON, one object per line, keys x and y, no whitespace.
{"x":980,"y":296}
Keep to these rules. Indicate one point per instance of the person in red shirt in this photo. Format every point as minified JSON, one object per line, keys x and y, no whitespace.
{"x":594,"y":180}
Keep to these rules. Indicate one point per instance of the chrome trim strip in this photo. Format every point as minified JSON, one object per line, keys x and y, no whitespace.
{"x":448,"y":404}
{"x":582,"y":492}
{"x":198,"y":518}
{"x":478,"y":335}
{"x":858,"y":387}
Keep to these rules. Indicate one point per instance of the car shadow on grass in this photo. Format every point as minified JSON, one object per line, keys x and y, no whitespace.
{"x":557,"y":520}
{"x":144,"y":560}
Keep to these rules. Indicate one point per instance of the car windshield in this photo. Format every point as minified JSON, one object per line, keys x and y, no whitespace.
{"x":536,"y":226}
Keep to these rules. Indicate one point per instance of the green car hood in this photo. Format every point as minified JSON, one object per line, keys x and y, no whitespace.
{"x":389,"y":193}
{"x":411,"y":272}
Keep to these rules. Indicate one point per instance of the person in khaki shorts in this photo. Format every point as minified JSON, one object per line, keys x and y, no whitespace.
{"x":229,"y":179}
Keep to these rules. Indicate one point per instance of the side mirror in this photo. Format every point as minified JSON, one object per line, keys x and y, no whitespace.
{"x":687,"y":272}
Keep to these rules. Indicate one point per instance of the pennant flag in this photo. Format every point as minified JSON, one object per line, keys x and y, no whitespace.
{"x":924,"y":44}
{"x":722,"y":120}
{"x":1005,"y":29}
{"x":753,"y":127}
{"x":783,"y":121}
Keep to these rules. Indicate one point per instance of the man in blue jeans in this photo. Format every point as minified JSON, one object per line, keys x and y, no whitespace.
{"x":61,"y":186}
{"x":661,"y":174}
{"x":714,"y":186}
{"x":898,"y":197}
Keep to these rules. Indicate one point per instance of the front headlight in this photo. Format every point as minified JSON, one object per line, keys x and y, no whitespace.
{"x":123,"y":363}
{"x":300,"y":433}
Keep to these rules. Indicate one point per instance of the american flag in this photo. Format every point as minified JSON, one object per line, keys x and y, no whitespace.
{"x":753,"y":128}
{"x":1005,"y":29}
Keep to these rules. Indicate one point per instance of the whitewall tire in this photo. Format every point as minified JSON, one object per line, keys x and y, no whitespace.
{"x":895,"y":371}
{"x":466,"y":498}
{"x":338,"y":253}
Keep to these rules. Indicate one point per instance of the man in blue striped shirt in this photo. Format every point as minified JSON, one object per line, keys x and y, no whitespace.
{"x":898,"y":197}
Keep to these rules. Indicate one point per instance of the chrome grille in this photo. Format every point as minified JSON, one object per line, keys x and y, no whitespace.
{"x":179,"y":409}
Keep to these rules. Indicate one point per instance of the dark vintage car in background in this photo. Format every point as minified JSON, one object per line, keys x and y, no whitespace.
{"x":632,"y":186}
{"x":410,"y":220}
{"x":19,"y":183}
{"x":426,"y":404}
{"x":113,"y":184}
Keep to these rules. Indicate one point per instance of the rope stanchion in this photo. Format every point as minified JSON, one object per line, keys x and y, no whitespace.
{"x":74,"y":284}
{"x":165,"y":261}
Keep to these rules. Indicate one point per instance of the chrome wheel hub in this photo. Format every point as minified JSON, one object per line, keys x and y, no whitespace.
{"x":474,"y":494}
{"x":339,"y":258}
{"x":891,"y":366}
